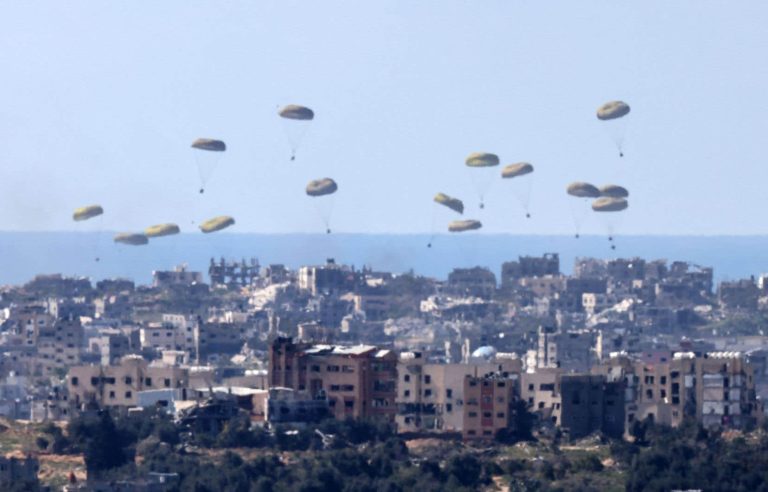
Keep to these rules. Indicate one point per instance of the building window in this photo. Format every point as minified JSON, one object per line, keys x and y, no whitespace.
{"x":347,"y":369}
{"x":147,"y":381}
{"x":471,"y":432}
{"x":407,"y":378}
{"x":501,"y":384}
{"x":167,"y":383}
{"x":472,"y":414}
{"x":407,"y":393}
{"x":449,"y":393}
{"x":314,"y":368}
{"x":75,"y":381}
{"x":128,"y":380}
{"x":112,"y":395}
{"x":663,"y":379}
{"x":500,"y":415}
{"x":332,"y":368}
{"x":448,"y":407}
{"x":94,"y":381}
{"x":530,"y":387}
{"x":487,"y":433}
{"x":128,"y":394}
{"x":349,"y":404}
{"x":427,"y":379}
{"x":428,"y":392}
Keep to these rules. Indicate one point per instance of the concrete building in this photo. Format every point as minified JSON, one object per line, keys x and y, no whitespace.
{"x":489,"y":406}
{"x":717,"y":389}
{"x":430,"y":396}
{"x":119,"y":386}
{"x":327,"y":279}
{"x":590,"y":404}
{"x":529,"y":266}
{"x":59,"y":346}
{"x":286,"y":405}
{"x":471,"y":282}
{"x":179,"y":276}
{"x":358,"y":381}
{"x":574,"y":351}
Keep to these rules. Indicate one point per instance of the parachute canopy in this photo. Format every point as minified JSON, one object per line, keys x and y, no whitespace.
{"x":612,"y":110}
{"x":614,"y":191}
{"x":161,"y":230}
{"x":89,"y":212}
{"x":482,"y":159}
{"x":209,"y":144}
{"x":583,"y":190}
{"x":464,"y":225}
{"x":131,"y":239}
{"x":609,"y":204}
{"x":453,"y":203}
{"x":515,"y":170}
{"x":321,"y":187}
{"x":296,"y":112}
{"x":217,"y":224}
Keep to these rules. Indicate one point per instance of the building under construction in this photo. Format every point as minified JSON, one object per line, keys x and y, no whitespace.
{"x":234,"y":273}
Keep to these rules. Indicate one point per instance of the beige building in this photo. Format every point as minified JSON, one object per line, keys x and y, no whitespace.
{"x":489,"y":406}
{"x":118,"y":386}
{"x":717,"y":389}
{"x":358,"y":381}
{"x":430,"y":396}
{"x":59,"y":346}
{"x":540,"y":391}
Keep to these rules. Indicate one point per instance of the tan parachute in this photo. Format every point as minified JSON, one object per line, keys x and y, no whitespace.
{"x":453,"y":203}
{"x":321,"y":187}
{"x":464,"y":225}
{"x":161,"y":230}
{"x":85,"y":213}
{"x":521,"y":188}
{"x":210,"y":144}
{"x":217,"y":224}
{"x":609,"y":204}
{"x":614,"y":191}
{"x":482,"y":159}
{"x":208,"y":159}
{"x":131,"y":239}
{"x":296,"y":112}
{"x":480,"y":166}
{"x":612,"y":110}
{"x":297,"y":119}
{"x":515,"y":170}
{"x":583,"y":190}
{"x":613,"y":113}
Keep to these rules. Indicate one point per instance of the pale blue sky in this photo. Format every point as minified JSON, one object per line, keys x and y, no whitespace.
{"x":100,"y":101}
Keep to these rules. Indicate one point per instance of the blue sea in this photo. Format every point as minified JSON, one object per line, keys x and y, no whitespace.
{"x":26,"y":254}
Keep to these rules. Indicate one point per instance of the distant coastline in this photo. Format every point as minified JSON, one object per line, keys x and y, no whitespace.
{"x":26,"y":254}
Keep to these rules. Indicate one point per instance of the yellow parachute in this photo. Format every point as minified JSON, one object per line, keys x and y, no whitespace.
{"x":609,"y":204}
{"x":515,"y":170}
{"x":614,"y":191}
{"x":583,"y":190}
{"x":131,"y":239}
{"x":464,"y":225}
{"x":207,"y":161}
{"x":321,"y":187}
{"x":217,"y":224}
{"x":89,"y":212}
{"x":453,"y":203}
{"x":297,"y":119}
{"x":161,"y":230}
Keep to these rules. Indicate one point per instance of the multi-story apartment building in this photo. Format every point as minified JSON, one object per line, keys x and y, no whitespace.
{"x":118,"y":386}
{"x":358,"y":381}
{"x":590,"y":403}
{"x":472,"y":282}
{"x":489,"y":406}
{"x":430,"y":396}
{"x":573,"y":351}
{"x":59,"y":346}
{"x":717,"y":389}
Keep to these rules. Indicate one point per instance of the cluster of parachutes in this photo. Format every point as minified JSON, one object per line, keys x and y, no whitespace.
{"x":208,"y":153}
{"x":606,"y":200}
